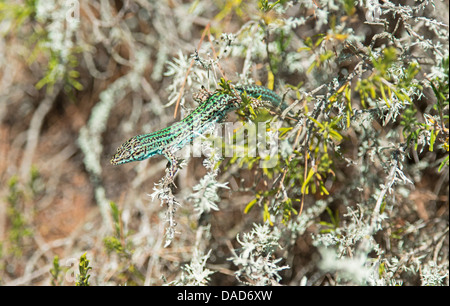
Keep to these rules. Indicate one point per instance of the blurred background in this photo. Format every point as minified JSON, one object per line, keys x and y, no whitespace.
{"x":78,"y":78}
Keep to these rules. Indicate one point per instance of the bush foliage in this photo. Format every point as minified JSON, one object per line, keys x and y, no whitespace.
{"x":357,"y":194}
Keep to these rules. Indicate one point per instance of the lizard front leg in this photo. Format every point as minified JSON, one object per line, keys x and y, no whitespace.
{"x":172,"y":165}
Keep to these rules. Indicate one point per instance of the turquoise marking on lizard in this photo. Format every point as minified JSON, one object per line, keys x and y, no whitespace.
{"x":173,"y":138}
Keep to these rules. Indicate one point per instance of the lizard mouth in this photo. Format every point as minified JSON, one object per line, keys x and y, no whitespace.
{"x":118,"y":158}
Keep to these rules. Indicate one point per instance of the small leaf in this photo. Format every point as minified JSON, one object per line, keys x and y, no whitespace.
{"x":250,"y":205}
{"x":308,"y":178}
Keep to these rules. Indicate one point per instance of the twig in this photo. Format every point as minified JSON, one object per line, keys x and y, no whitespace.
{"x":189,"y":70}
{"x":388,"y":184}
{"x":35,"y":129}
{"x":215,"y":55}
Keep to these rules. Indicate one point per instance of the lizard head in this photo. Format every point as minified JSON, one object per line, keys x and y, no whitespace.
{"x":131,"y":150}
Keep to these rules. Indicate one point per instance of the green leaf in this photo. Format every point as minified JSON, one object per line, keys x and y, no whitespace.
{"x":432,"y":140}
{"x":324,"y":190}
{"x":308,"y":178}
{"x":250,"y":205}
{"x":266,"y":214}
{"x":383,"y":94}
{"x":83,"y":267}
{"x":445,"y":161}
